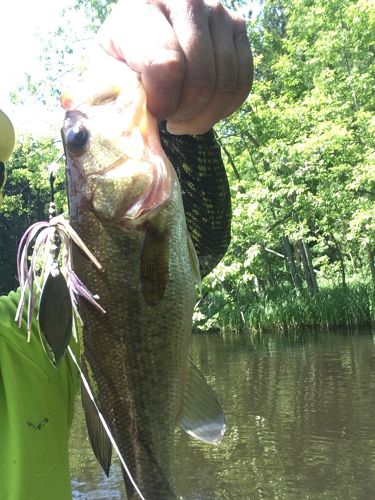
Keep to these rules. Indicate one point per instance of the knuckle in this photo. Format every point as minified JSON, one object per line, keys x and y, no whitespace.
{"x":216,"y":6}
{"x":202,"y":87}
{"x":168,"y":66}
{"x":227,"y":87}
{"x":212,"y":8}
{"x":240,"y":27}
{"x":199,"y":95}
{"x":194,"y":5}
{"x":216,"y":10}
{"x":226,"y":56}
{"x":175,"y":66}
{"x":202,"y":76}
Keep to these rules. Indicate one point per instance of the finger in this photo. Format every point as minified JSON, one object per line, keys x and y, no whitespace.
{"x":230,"y":93}
{"x":149,"y":47}
{"x":245,"y":63}
{"x":225,"y":97}
{"x":233,"y":74}
{"x":190,"y":22}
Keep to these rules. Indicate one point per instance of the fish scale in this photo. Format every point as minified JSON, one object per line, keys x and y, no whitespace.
{"x":126,"y":205}
{"x":140,"y":363}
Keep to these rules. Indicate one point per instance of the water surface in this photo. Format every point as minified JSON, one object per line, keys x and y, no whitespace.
{"x":300,"y":423}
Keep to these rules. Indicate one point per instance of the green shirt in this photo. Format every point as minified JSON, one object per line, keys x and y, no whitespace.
{"x":36,"y":412}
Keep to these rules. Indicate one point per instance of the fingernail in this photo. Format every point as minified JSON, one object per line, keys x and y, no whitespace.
{"x":189,"y":127}
{"x":176,"y":128}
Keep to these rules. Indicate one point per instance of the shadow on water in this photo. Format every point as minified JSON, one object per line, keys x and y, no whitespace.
{"x":300,"y":422}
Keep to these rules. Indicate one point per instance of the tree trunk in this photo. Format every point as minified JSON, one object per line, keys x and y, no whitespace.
{"x":291,"y":265}
{"x":341,"y":260}
{"x":271,"y":278}
{"x":305,"y":267}
{"x":311,"y":267}
{"x":257,"y":285}
{"x":308,"y":268}
{"x":370,"y":258}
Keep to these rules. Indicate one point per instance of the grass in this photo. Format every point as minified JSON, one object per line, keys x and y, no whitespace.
{"x":334,"y":307}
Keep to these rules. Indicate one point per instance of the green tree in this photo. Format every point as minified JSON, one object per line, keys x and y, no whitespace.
{"x":27,"y":196}
{"x":303,"y":149}
{"x":300,"y":157}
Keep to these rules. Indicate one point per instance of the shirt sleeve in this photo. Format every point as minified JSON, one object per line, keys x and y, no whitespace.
{"x":36,"y":412}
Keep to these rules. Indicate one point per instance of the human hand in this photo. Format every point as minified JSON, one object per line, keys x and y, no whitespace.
{"x":193,"y":57}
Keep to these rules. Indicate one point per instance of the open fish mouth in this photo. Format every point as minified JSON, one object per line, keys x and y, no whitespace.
{"x":152,"y":199}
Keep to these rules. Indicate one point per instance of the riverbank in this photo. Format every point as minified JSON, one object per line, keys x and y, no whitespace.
{"x":333,"y":307}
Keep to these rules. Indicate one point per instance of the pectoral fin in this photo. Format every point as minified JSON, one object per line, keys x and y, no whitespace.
{"x":154,"y":265}
{"x":55,"y":317}
{"x":201,"y":414}
{"x":99,"y":439}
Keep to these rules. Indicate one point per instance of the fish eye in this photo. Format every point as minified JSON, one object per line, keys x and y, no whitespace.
{"x":77,"y":136}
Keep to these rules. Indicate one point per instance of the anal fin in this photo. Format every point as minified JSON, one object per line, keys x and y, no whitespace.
{"x":201,"y":414}
{"x":99,"y":439}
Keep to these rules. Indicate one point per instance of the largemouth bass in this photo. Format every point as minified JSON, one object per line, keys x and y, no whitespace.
{"x":125,"y":203}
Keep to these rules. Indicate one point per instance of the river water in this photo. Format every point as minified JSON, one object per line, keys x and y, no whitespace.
{"x":300,"y":423}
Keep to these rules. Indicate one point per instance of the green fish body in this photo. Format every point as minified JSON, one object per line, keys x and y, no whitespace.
{"x":125,"y":203}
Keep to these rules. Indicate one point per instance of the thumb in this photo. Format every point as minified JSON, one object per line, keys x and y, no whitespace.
{"x":142,"y":37}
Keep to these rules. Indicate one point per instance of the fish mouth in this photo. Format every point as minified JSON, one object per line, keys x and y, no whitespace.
{"x":127,"y":190}
{"x":158,"y":192}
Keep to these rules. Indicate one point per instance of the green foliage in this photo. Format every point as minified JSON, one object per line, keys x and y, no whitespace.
{"x":300,"y":157}
{"x":26,"y":199}
{"x":235,"y":309}
{"x":96,"y":10}
{"x":303,"y":189}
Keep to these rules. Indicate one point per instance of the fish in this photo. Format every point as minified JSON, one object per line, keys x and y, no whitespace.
{"x":125,"y":203}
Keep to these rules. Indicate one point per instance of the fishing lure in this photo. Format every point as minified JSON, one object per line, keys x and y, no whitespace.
{"x":3,"y":175}
{"x":47,"y":278}
{"x":50,"y":278}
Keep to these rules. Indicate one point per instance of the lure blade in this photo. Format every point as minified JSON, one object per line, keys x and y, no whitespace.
{"x":2,"y":174}
{"x":55,"y":317}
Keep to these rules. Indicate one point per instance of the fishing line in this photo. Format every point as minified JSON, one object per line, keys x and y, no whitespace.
{"x":26,"y":276}
{"x":106,"y":428}
{"x":52,"y":171}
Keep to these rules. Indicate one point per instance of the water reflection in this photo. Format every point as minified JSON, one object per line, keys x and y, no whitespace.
{"x":300,"y":412}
